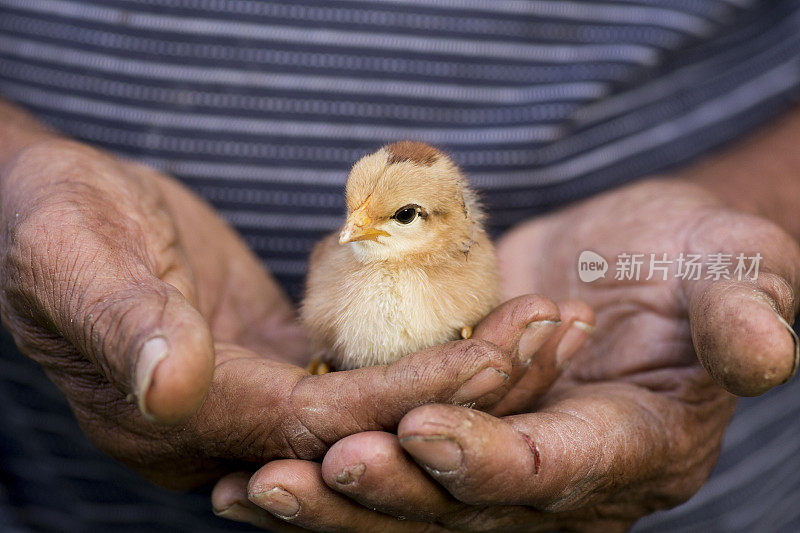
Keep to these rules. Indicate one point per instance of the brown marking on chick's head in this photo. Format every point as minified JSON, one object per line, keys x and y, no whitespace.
{"x":413,"y":173}
{"x":416,"y":152}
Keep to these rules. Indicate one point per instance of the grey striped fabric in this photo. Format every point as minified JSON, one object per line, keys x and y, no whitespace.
{"x":261,"y":107}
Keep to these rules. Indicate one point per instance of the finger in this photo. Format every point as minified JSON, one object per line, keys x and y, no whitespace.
{"x":550,"y":359}
{"x":576,"y":328}
{"x":741,"y":336}
{"x":532,"y":315}
{"x":80,"y":264}
{"x":470,"y":372}
{"x":741,"y":328}
{"x":262,"y":409}
{"x":373,"y":469}
{"x":229,"y":501}
{"x":294,"y":491}
{"x":596,"y":443}
{"x":518,"y":328}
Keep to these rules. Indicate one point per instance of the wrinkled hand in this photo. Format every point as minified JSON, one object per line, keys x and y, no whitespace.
{"x":141,"y":303}
{"x":635,"y":423}
{"x":542,"y":335}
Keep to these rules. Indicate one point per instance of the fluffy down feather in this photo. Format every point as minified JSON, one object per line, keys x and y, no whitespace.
{"x":385,"y":287}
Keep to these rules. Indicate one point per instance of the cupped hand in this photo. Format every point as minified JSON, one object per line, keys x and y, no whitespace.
{"x":634,"y":424}
{"x":539,"y":337}
{"x":176,"y":350}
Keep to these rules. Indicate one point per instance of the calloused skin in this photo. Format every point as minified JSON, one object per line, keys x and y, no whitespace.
{"x":99,"y":256}
{"x":635,"y":423}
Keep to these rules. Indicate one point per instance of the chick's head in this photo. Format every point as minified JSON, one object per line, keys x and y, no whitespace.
{"x":408,"y":198}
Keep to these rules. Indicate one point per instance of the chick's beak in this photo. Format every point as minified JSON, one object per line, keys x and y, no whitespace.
{"x":359,"y":227}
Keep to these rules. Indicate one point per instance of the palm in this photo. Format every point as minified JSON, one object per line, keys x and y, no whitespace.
{"x":642,"y":324}
{"x":644,"y":334}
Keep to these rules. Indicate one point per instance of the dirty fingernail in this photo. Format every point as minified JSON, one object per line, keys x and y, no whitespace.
{"x":277,"y":501}
{"x":437,"y":452}
{"x":536,"y":333}
{"x":572,"y":340}
{"x":238,"y":513}
{"x":152,"y":353}
{"x":351,"y":474}
{"x":481,"y":383}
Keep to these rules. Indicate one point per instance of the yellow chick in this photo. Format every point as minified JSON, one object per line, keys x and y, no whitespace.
{"x":411,"y":268}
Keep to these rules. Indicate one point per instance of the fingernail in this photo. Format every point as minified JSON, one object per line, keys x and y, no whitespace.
{"x":439,"y":453}
{"x":534,"y":336}
{"x":572,"y":340}
{"x":238,"y":513}
{"x":153,"y":352}
{"x":481,"y":383}
{"x":796,"y":346}
{"x":351,"y":474}
{"x":277,"y":501}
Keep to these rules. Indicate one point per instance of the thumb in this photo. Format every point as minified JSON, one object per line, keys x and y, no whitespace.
{"x":141,"y":333}
{"x":153,"y":346}
{"x":742,"y":336}
{"x":741,"y":327}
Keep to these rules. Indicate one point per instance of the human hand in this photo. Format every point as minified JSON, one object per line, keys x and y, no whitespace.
{"x":635,"y":423}
{"x":536,"y":332}
{"x":116,"y":279}
{"x":122,"y":284}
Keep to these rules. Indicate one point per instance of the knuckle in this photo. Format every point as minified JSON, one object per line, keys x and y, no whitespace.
{"x":299,"y":441}
{"x":271,"y":425}
{"x":299,"y":431}
{"x":477,"y":350}
{"x":535,"y":307}
{"x":39,"y":160}
{"x":106,"y":326}
{"x":690,"y":484}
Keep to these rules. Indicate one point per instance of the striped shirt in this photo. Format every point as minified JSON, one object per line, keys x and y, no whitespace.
{"x":262,"y":106}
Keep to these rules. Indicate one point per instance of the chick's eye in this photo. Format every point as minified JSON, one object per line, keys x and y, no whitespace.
{"x":406,"y":215}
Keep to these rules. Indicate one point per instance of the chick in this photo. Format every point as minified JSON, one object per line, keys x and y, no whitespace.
{"x":411,"y":268}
